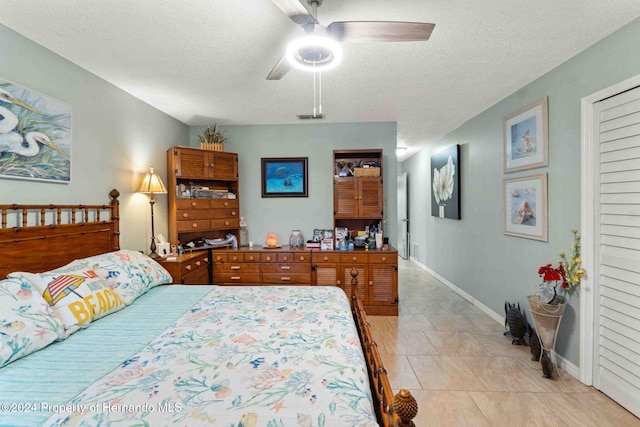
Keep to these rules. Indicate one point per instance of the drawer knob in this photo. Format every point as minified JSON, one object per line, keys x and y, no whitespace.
{"x":206,"y":260}
{"x":384,"y":258}
{"x":370,"y":282}
{"x":194,"y":225}
{"x":268,"y":258}
{"x":285,"y":258}
{"x":235,"y":267}
{"x":226,"y":223}
{"x":235,"y":257}
{"x":301,"y":257}
{"x":235,"y":277}
{"x":285,"y":267}
{"x":218,"y":258}
{"x":198,"y":263}
{"x":326,"y":258}
{"x":355,"y":258}
{"x":251,"y":258}
{"x":188,"y":267}
{"x":285,"y":279}
{"x":185,"y":215}
{"x":226,"y":204}
{"x":194,"y":204}
{"x":338,"y":282}
{"x":233,"y":213}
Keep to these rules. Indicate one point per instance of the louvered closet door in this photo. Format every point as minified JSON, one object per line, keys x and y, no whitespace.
{"x":617,"y":346}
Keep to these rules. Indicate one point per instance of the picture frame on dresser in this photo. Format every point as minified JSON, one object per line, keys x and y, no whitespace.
{"x":285,"y":176}
{"x":526,"y":140}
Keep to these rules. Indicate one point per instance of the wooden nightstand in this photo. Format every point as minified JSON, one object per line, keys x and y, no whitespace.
{"x":191,"y":268}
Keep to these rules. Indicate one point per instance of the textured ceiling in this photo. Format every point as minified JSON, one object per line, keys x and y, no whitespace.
{"x":206,"y":61}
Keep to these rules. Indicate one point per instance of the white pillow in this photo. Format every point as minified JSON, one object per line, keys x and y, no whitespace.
{"x":130,"y":273}
{"x":76,"y":293}
{"x":27,"y":323}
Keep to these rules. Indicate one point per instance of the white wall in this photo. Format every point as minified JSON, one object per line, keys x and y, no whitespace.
{"x":116,"y":137}
{"x":474,"y":253}
{"x":317,"y":142}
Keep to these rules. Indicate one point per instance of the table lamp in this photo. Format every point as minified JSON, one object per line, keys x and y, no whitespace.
{"x":152,"y":184}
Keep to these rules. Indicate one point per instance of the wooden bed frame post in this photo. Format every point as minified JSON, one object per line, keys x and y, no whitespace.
{"x":391,"y":411}
{"x":115,"y":217}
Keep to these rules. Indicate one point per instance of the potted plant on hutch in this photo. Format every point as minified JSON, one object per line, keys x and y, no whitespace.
{"x":547,"y":308}
{"x":212,"y":140}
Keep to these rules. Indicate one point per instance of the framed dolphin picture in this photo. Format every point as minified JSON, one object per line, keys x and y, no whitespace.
{"x":285,"y":177}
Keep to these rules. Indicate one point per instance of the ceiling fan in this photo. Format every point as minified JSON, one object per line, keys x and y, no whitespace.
{"x":319,"y":49}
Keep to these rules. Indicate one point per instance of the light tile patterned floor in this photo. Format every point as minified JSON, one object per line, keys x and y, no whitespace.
{"x":464,"y":372}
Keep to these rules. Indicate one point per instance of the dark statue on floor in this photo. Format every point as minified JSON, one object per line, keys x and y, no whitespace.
{"x":516,"y":321}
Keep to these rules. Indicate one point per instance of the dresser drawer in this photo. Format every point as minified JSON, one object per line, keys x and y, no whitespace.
{"x":354,"y":257}
{"x":225,"y":223}
{"x":224,"y":203}
{"x":222,"y":213}
{"x":283,"y":279}
{"x":192,"y":214}
{"x":269,"y":257}
{"x":237,"y":267}
{"x":218,"y":257}
{"x":286,"y":268}
{"x":193,"y":225}
{"x":319,"y":258}
{"x":192,"y":204}
{"x":194,"y":264}
{"x":383,"y":258}
{"x":236,"y":277}
{"x":252,"y":257}
{"x":301,"y":256}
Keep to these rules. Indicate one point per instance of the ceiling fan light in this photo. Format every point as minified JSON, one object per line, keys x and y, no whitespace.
{"x":314,"y":53}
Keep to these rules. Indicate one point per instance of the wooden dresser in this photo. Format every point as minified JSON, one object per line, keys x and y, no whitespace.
{"x":196,"y":214}
{"x":377,"y":271}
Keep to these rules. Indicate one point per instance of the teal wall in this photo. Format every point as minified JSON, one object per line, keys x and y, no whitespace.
{"x":317,"y":142}
{"x":473,"y":253}
{"x":116,"y":137}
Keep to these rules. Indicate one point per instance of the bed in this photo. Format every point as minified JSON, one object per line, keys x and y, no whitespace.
{"x":142,"y":353}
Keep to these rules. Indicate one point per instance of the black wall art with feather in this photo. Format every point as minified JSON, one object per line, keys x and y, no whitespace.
{"x":445,"y":183}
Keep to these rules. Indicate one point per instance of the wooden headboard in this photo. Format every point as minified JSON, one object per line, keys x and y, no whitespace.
{"x":38,"y":238}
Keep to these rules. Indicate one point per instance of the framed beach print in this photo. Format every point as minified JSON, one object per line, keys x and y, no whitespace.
{"x":526,"y":142}
{"x":445,"y":183}
{"x":525,"y":207}
{"x":35,"y":135}
{"x":285,"y":177}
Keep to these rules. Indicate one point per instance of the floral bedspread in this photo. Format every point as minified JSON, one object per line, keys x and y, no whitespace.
{"x":242,"y":356}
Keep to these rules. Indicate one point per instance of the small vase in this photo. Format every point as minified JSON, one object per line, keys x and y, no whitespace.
{"x":296,"y":240}
{"x":547,"y":318}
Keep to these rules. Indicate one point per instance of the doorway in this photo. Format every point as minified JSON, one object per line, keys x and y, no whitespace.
{"x":610,"y":329}
{"x":403,"y":216}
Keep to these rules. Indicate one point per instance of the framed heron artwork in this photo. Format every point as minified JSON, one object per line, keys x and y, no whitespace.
{"x":35,"y":135}
{"x":285,"y":177}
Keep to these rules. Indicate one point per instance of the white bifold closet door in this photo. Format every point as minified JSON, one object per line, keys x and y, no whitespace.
{"x":617,"y":279}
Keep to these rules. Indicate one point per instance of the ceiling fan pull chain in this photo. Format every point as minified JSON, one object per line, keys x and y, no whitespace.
{"x":320,"y":92}
{"x":315,"y":113}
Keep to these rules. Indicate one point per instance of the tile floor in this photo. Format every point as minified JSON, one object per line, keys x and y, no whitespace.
{"x":463,"y":372}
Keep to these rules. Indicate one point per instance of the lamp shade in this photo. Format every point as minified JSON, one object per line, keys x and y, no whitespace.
{"x":151,"y":184}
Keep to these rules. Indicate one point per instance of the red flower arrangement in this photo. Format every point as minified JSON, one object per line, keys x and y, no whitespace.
{"x":550,"y":274}
{"x":569,"y":272}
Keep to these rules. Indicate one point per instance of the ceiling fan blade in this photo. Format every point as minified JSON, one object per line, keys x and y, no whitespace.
{"x":297,"y":11}
{"x":380,"y":31}
{"x":280,"y":69}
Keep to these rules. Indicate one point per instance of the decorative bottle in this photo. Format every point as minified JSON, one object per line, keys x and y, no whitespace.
{"x":296,"y":240}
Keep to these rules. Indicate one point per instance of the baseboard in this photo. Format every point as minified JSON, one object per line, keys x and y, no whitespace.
{"x":564,"y":364}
